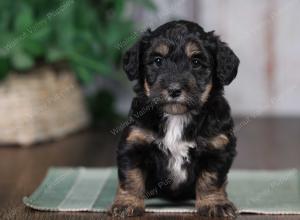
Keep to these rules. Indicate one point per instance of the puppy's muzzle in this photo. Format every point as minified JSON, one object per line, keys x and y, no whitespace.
{"x":174,"y":90}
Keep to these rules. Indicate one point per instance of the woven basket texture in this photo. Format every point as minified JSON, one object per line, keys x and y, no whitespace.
{"x":41,"y":105}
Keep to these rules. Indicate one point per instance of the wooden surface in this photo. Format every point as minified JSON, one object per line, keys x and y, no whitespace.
{"x":262,"y":144}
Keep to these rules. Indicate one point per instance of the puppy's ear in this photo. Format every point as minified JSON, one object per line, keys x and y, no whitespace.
{"x":227,"y":63}
{"x":131,"y":61}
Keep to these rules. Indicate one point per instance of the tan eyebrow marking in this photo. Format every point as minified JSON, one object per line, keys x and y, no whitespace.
{"x":162,"y":49}
{"x":191,"y":48}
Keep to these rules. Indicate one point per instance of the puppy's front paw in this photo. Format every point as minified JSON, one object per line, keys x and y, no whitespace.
{"x":126,"y":210}
{"x":224,"y":209}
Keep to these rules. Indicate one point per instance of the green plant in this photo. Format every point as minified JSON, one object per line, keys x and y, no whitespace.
{"x":84,"y":33}
{"x":100,"y":115}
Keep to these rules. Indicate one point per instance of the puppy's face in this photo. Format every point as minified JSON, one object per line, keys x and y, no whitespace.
{"x":177,"y":70}
{"x":178,"y":65}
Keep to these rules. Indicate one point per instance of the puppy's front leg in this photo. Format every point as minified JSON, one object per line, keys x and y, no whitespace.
{"x":211,"y":196}
{"x":129,"y":200}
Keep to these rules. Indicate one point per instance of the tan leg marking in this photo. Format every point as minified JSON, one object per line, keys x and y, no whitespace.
{"x":205,"y":184}
{"x":138,"y":135}
{"x":129,"y":200}
{"x":136,"y":182}
{"x":219,"y":142}
{"x":211,"y":200}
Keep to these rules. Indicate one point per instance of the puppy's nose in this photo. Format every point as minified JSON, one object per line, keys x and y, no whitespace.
{"x":174,"y":90}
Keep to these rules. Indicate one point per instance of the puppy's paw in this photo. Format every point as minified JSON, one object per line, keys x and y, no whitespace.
{"x":221,"y":210}
{"x":126,"y":210}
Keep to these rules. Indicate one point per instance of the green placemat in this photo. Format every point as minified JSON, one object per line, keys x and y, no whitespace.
{"x":88,"y":189}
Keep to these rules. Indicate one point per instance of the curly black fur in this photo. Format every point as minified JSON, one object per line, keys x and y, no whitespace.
{"x":215,"y":64}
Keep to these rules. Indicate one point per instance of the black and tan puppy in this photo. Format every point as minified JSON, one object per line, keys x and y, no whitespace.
{"x":186,"y":135}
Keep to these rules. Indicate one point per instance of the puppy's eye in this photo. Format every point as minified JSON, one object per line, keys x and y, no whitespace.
{"x":158,"y":61}
{"x":196,"y":62}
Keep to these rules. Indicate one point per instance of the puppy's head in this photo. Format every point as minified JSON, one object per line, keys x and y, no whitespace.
{"x":179,"y":64}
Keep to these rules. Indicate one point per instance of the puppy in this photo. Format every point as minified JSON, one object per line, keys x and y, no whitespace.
{"x":182,"y":131}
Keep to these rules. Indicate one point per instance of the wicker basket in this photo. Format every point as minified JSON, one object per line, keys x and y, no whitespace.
{"x":41,"y":105}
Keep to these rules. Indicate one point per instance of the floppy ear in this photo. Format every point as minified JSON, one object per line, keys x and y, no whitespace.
{"x":227,"y":63}
{"x":131,"y":61}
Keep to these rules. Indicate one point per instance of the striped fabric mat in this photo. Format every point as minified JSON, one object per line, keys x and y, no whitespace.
{"x":88,"y":189}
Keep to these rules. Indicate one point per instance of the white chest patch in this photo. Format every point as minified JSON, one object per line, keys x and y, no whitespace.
{"x":173,"y":143}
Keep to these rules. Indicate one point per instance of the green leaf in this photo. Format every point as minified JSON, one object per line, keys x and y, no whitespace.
{"x":84,"y":75}
{"x":40,"y":32}
{"x":33,"y":47}
{"x":3,"y":53}
{"x":54,"y":54}
{"x":4,"y":68}
{"x":90,"y":35}
{"x":24,"y":18}
{"x":94,"y":65}
{"x":21,"y":60}
{"x":147,"y":3}
{"x":119,"y":7}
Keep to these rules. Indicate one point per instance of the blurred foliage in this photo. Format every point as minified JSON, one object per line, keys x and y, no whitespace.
{"x":84,"y":33}
{"x":103,"y":116}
